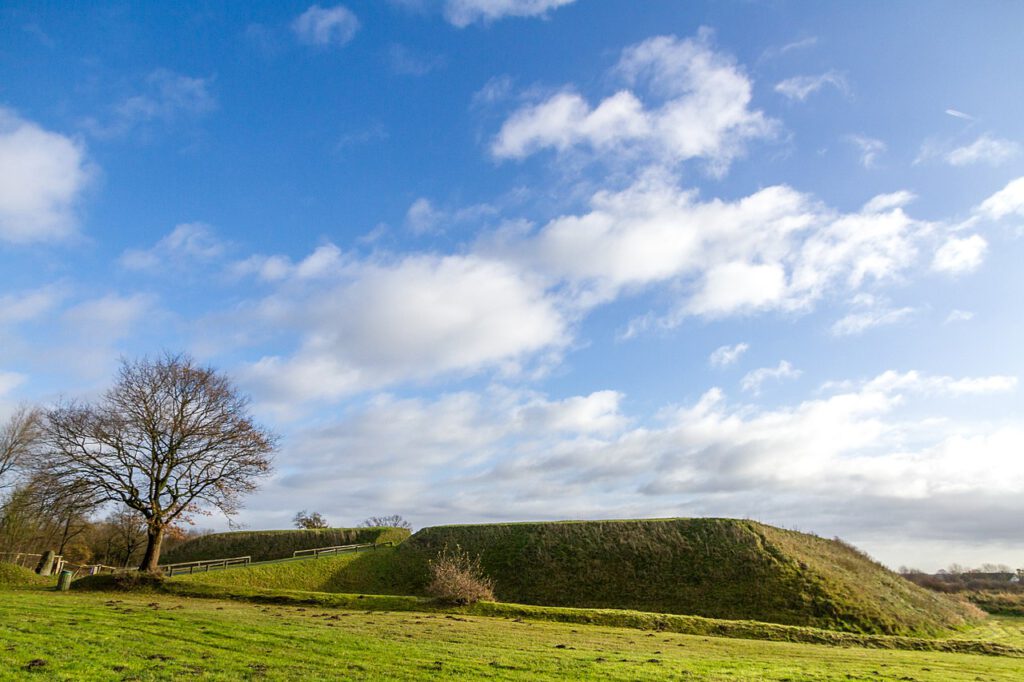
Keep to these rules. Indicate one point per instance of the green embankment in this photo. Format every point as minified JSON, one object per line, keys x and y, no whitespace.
{"x":716,"y":568}
{"x":265,"y":545}
{"x":13,"y":576}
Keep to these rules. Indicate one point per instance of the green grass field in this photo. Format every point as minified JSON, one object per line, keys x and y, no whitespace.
{"x":106,"y":636}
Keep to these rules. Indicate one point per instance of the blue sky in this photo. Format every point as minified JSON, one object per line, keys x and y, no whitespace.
{"x":535,"y":259}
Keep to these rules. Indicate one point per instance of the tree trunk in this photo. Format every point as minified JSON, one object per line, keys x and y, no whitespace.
{"x":154,"y":538}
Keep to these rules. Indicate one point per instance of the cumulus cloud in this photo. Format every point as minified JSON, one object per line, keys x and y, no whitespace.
{"x":776,"y":249}
{"x":986,"y":149}
{"x":753,"y":381}
{"x":918,"y":382}
{"x":960,"y":254}
{"x":186,"y":243}
{"x":802,"y":87}
{"x":1005,"y":202}
{"x":322,"y":27}
{"x":409,"y":320}
{"x":462,"y":13}
{"x":42,"y":177}
{"x":723,"y":356}
{"x":687,"y":102}
{"x":324,"y":261}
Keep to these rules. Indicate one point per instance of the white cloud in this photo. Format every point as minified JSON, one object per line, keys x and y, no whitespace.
{"x":325,"y":261}
{"x":887,"y":202}
{"x":187,"y":242}
{"x":414,"y":319}
{"x":959,"y":316}
{"x":42,"y":177}
{"x":164,"y":97}
{"x":698,"y":107}
{"x":10,"y":381}
{"x":462,"y":13}
{"x":422,"y":216}
{"x":776,"y":249}
{"x":753,"y":380}
{"x":1007,"y":201}
{"x":985,"y":149}
{"x":405,"y":61}
{"x":876,"y":316}
{"x":322,"y":27}
{"x":917,"y":382}
{"x":959,"y":114}
{"x":801,"y":87}
{"x":723,"y":356}
{"x":108,"y":317}
{"x":29,"y":305}
{"x":870,"y":149}
{"x":959,"y":255}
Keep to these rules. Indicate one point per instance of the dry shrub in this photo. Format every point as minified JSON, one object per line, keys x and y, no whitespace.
{"x":456,"y":578}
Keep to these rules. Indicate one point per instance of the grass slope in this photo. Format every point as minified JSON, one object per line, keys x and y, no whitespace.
{"x":265,"y":545}
{"x":14,"y":576}
{"x":82,"y":636}
{"x":717,"y":568}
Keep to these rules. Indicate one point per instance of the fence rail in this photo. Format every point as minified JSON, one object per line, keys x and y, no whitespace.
{"x":191,"y":567}
{"x":338,"y":549}
{"x":30,"y":560}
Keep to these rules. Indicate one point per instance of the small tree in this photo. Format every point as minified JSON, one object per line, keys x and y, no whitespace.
{"x":456,"y":578}
{"x":393,"y":521}
{"x":309,"y":521}
{"x":169,"y":439}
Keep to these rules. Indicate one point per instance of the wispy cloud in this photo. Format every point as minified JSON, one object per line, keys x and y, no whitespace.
{"x":801,"y":87}
{"x":723,"y":356}
{"x":870,"y":149}
{"x":752,"y":381}
{"x":959,"y":114}
{"x":322,"y":27}
{"x":462,"y":13}
{"x":164,"y":98}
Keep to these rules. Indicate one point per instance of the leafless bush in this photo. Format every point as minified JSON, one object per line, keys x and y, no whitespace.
{"x":458,"y":579}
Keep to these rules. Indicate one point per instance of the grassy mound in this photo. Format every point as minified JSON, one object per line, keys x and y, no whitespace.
{"x":716,"y":568}
{"x":265,"y":545}
{"x":12,"y":576}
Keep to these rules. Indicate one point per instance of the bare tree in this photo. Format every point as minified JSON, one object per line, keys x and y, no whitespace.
{"x":309,"y":521}
{"x":169,"y":439}
{"x":392,"y":521}
{"x":18,"y":435}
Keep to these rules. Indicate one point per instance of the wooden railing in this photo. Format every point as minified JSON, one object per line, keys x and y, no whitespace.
{"x":338,"y":549}
{"x":30,"y":560}
{"x":191,"y":567}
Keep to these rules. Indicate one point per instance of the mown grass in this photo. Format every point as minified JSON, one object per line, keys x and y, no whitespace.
{"x":265,"y":545}
{"x":98,"y":636}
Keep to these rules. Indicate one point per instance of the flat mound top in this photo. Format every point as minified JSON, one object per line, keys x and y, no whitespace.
{"x":721,"y":568}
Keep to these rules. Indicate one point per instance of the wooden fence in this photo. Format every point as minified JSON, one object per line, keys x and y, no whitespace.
{"x":191,"y":567}
{"x":338,"y":549}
